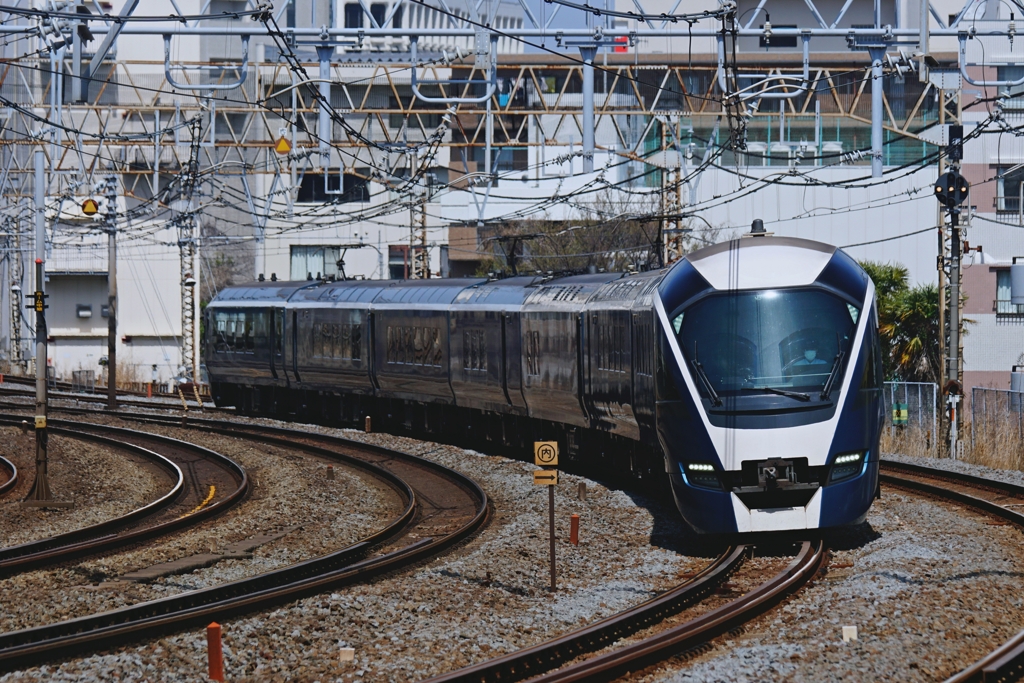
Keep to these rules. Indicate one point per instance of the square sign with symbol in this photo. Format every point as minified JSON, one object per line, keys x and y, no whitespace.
{"x":545,"y":453}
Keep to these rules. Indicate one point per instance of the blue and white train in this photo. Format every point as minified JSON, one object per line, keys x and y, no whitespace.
{"x":748,"y":374}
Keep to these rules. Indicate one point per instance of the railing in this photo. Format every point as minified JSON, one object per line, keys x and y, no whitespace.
{"x":997,"y":434}
{"x":1004,"y":308}
{"x":1007,"y":203}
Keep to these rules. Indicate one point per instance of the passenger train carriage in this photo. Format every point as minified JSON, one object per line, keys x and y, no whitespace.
{"x":748,"y":374}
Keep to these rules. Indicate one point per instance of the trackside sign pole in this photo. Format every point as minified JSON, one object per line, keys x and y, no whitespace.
{"x":545,"y":454}
{"x":551,"y":530}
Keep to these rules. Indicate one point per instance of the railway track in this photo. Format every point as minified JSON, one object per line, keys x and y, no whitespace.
{"x":10,"y":474}
{"x":443,"y":508}
{"x":1000,"y":499}
{"x":204,"y":484}
{"x":30,"y":383}
{"x":164,"y":401}
{"x":538,"y":663}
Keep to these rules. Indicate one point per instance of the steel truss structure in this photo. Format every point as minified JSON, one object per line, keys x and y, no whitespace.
{"x":371,"y":116}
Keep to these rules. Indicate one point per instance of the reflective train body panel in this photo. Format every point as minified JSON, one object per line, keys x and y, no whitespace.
{"x":748,"y":374}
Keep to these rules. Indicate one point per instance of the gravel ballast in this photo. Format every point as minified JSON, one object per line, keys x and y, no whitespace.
{"x":488,"y":597}
{"x":290,"y":489}
{"x":102,"y":483}
{"x":930,"y":586}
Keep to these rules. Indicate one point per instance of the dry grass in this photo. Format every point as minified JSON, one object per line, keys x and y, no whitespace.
{"x":913,"y":441}
{"x":997,"y":444}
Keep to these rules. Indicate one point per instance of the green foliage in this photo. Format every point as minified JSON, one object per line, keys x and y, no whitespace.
{"x":908,"y":322}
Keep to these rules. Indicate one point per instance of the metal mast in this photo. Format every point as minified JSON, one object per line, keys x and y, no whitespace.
{"x":186,"y":223}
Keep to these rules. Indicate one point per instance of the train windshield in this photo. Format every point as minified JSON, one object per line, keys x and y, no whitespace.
{"x":788,"y":342}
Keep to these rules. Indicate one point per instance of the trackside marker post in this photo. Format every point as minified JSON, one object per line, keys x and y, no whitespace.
{"x":545,"y":454}
{"x":215,"y":651}
{"x":574,"y":529}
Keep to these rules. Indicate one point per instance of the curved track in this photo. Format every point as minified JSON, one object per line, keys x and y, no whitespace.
{"x":205,"y":484}
{"x":1000,"y":499}
{"x":443,"y":508}
{"x":11,"y":479}
{"x":531,"y":663}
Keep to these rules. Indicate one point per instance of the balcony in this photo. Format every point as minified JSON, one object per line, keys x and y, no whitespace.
{"x":1008,"y":311}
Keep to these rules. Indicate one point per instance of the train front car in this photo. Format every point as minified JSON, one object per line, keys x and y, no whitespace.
{"x":770,"y":402}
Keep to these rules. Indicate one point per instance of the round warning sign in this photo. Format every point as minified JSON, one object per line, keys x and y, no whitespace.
{"x":545,"y":453}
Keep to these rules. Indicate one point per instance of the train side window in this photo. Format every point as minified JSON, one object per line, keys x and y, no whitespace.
{"x":533,"y":353}
{"x":279,"y":331}
{"x":260,"y":331}
{"x":356,"y":340}
{"x":474,"y":351}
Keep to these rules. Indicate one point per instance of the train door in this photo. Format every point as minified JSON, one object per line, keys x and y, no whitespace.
{"x":276,"y":341}
{"x":512,"y":347}
{"x":582,"y":372}
{"x":295,"y":346}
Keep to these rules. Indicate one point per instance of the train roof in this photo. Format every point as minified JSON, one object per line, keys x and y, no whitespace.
{"x":267,"y":291}
{"x":441,"y":291}
{"x":350,"y":291}
{"x":575,"y":290}
{"x":761,"y":261}
{"x":511,"y":291}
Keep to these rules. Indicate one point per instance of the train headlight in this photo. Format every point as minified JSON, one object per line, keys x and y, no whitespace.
{"x":847,"y":465}
{"x":701,"y":474}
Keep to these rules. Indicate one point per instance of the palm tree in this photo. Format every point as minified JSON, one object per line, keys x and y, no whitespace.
{"x":908,"y":323}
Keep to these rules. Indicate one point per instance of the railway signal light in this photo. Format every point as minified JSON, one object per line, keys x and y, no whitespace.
{"x":951,"y":189}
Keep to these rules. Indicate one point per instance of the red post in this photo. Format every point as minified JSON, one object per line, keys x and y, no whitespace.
{"x":574,"y":529}
{"x":149,"y":390}
{"x":215,"y":651}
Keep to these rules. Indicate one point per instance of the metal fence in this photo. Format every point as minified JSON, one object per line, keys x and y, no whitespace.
{"x":83,"y":381}
{"x":912,"y":419}
{"x":997,"y":433}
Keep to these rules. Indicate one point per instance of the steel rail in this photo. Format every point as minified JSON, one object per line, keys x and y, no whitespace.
{"x":102,"y":537}
{"x":812,"y":557}
{"x":12,"y":481}
{"x":66,"y":386}
{"x":343,"y":567}
{"x":159,"y":401}
{"x":1005,"y":663}
{"x":549,"y":654}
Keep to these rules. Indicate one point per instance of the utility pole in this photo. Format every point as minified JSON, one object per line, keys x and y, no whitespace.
{"x":187,"y":223}
{"x":111,"y":193}
{"x":952,"y":191}
{"x":41,"y":495}
{"x":15,"y":270}
{"x":418,"y":256}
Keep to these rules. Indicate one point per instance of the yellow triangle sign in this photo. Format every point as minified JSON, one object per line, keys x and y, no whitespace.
{"x":282,"y":146}
{"x":90,"y":207}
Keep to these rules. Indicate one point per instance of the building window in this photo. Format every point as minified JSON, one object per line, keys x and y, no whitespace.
{"x":353,"y":15}
{"x":399,"y":261}
{"x":317,"y":261}
{"x":1008,"y":189}
{"x":1005,"y":308}
{"x":777,"y":41}
{"x":379,"y":12}
{"x":341,"y":189}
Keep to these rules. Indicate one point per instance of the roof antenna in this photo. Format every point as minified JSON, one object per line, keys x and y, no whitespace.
{"x":757,"y":229}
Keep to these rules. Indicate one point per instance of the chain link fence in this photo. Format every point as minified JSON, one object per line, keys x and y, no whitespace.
{"x":997,"y":428}
{"x":912,"y":419}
